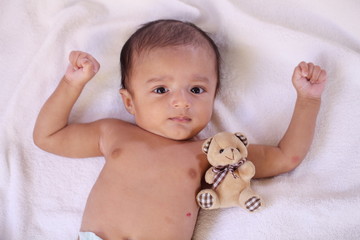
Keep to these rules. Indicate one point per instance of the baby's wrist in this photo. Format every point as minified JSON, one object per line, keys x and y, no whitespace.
{"x":308,"y":96}
{"x":72,"y":85}
{"x":308,"y":101}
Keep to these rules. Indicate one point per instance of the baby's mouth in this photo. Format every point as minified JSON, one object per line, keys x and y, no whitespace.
{"x":181,"y":119}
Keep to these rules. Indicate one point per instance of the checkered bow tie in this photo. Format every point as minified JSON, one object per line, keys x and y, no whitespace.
{"x":222,"y":171}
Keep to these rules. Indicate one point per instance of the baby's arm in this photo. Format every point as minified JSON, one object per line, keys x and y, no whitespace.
{"x":309,"y":82}
{"x":52,"y":132}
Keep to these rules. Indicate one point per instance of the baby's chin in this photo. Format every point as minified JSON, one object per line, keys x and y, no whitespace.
{"x":183,"y":136}
{"x":178,"y":137}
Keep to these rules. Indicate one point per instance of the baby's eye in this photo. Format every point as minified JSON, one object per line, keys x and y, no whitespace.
{"x":197,"y":90}
{"x":160,"y":90}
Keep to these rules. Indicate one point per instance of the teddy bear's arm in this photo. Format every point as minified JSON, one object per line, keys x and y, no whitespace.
{"x":209,"y":176}
{"x":247,"y":170}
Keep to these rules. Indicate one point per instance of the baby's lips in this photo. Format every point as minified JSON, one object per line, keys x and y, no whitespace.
{"x":181,"y":119}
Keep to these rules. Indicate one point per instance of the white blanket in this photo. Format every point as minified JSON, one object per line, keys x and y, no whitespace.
{"x":42,"y":196}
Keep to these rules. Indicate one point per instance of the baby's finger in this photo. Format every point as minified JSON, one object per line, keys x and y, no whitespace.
{"x":73,"y":56}
{"x":304,"y":69}
{"x":322,"y":76}
{"x":95,"y":63}
{"x":311,"y":70}
{"x":297,"y":75}
{"x":315,"y":74}
{"x":76,"y":59}
{"x":87,"y":66}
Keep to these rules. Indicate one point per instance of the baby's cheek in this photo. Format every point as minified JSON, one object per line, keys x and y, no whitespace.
{"x":295,"y":159}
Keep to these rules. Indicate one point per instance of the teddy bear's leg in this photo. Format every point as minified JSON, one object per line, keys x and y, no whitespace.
{"x":208,"y":199}
{"x":249,"y":200}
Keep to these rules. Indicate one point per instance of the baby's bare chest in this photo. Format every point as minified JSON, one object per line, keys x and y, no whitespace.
{"x":154,"y":187}
{"x":154,"y":174}
{"x":156,"y":164}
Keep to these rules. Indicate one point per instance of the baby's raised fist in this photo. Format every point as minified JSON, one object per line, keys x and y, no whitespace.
{"x":309,"y":80}
{"x":81,"y":69}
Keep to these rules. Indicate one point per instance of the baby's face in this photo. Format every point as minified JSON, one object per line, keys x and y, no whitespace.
{"x":172,"y":90}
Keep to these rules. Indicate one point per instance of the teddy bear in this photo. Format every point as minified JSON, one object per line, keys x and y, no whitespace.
{"x":229,"y":175}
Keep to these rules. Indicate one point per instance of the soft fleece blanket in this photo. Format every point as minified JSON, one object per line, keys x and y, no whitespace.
{"x":42,"y":196}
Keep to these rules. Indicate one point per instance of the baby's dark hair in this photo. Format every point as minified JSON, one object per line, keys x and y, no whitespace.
{"x":163,"y":33}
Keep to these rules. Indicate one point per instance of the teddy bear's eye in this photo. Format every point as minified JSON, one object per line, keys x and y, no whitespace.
{"x":221,"y":150}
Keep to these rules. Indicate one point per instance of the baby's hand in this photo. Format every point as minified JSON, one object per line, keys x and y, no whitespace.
{"x":309,"y":80}
{"x":81,"y":69}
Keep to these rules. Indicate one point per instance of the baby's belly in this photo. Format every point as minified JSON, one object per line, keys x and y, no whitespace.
{"x":142,"y":204}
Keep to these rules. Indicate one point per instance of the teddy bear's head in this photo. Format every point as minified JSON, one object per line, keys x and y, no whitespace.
{"x":225,"y":148}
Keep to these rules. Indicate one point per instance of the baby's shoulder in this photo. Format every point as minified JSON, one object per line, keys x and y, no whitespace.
{"x":114,"y":131}
{"x":113,"y":125}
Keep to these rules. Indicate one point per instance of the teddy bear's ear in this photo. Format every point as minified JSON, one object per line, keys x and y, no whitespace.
{"x":206,"y":145}
{"x":242,"y":138}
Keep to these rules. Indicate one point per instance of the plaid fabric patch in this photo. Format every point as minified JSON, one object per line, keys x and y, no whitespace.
{"x":253,"y":203}
{"x":221,"y":172}
{"x":205,"y":200}
{"x":242,"y":138}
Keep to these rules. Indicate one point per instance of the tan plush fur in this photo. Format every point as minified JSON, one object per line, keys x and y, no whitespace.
{"x":223,"y":151}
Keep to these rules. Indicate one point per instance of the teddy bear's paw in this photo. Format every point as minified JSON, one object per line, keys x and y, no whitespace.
{"x":205,"y":200}
{"x":253,"y":203}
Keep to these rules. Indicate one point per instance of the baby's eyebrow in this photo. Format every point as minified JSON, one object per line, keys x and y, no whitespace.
{"x":202,"y":79}
{"x":155,"y":80}
{"x":194,"y":78}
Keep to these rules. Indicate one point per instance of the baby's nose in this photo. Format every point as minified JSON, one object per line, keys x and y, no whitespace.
{"x":180,"y":100}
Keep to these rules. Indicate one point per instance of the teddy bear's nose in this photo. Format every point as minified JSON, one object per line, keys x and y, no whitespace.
{"x":232,"y":154}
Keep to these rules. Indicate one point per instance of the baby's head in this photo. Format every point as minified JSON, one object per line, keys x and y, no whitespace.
{"x":170,"y":74}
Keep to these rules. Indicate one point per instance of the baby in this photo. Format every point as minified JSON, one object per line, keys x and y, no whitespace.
{"x":153,"y":169}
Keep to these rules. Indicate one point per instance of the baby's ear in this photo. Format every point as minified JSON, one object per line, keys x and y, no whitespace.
{"x":242,"y":138}
{"x":127,"y":100}
{"x":206,"y":145}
